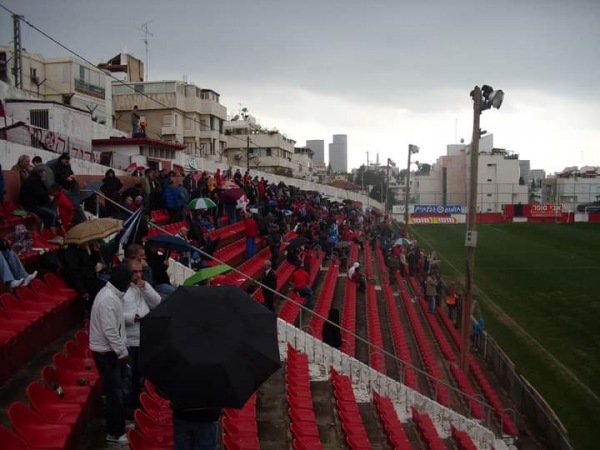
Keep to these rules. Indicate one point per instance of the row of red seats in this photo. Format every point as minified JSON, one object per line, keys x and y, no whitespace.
{"x":508,"y":425}
{"x":391,"y":424}
{"x":428,"y":357}
{"x":10,"y":220}
{"x":463,"y":440}
{"x":153,"y":421}
{"x":303,"y":422}
{"x":240,"y":429}
{"x":227,"y":231}
{"x":399,"y":338}
{"x":349,"y":313}
{"x":462,"y":381}
{"x":160,"y":216}
{"x":325,"y":299}
{"x":250,"y":267}
{"x":60,"y":407}
{"x":352,"y":423}
{"x":31,"y":319}
{"x":234,"y":250}
{"x":427,"y":431}
{"x":290,"y":310}
{"x":376,"y":356}
{"x":172,"y":228}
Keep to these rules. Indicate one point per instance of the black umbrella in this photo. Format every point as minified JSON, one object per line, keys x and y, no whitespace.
{"x":297,"y":242}
{"x":209,"y":347}
{"x":172,"y":242}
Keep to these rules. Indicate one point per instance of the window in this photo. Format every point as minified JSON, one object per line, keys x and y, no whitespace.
{"x":489,"y":180}
{"x":167,"y":120}
{"x":188,"y":123}
{"x":269,"y":152}
{"x":175,"y":120}
{"x":489,"y":195}
{"x":39,"y":118}
{"x":33,"y":75}
{"x":203,"y":124}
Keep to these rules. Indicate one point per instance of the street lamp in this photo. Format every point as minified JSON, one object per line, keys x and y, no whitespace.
{"x":411,"y":149}
{"x":483,"y":98}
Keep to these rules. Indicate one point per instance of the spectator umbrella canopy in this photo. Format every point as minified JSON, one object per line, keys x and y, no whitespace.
{"x":92,"y":230}
{"x":209,"y":347}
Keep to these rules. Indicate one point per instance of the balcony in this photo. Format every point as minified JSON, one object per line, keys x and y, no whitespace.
{"x":168,"y":131}
{"x":89,"y":89}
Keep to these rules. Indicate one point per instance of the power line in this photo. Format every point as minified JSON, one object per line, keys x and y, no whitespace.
{"x":203,"y":126}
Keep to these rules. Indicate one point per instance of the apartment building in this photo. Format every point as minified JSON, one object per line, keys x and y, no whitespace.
{"x":175,"y":112}
{"x":66,"y":80}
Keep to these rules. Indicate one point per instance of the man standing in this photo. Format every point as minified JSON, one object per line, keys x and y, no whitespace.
{"x":135,"y":122}
{"x":251,"y":228}
{"x":152,"y":190}
{"x":274,"y":239}
{"x":301,"y":283}
{"x":108,"y":344}
{"x":269,"y":279}
{"x":139,"y":299}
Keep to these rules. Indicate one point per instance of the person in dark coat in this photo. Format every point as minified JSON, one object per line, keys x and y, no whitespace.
{"x":332,"y":334}
{"x":63,"y":173}
{"x":111,"y":187}
{"x":269,"y":279}
{"x":274,"y":240}
{"x":34,"y":197}
{"x":80,"y":272}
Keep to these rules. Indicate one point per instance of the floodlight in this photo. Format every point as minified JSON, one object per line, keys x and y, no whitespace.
{"x":496,"y":99}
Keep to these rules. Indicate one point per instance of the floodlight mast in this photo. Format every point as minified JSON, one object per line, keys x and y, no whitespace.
{"x":483,"y":98}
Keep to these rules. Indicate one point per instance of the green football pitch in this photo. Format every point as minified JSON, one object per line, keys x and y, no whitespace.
{"x":538,"y":286}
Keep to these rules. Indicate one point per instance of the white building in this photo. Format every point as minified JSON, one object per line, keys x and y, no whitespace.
{"x":498,"y":180}
{"x":176,"y":112}
{"x":338,"y":153}
{"x":65,"y":80}
{"x":252,"y":146}
{"x":572,"y":187}
{"x":318,"y":148}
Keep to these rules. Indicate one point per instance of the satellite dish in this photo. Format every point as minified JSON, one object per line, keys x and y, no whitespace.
{"x":462,"y":141}
{"x":236,"y":117}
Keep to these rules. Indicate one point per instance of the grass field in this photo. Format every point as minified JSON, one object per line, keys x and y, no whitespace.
{"x":539,"y":289}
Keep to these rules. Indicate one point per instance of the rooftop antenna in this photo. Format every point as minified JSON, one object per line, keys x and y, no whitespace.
{"x":18,"y":65}
{"x":146,"y":38}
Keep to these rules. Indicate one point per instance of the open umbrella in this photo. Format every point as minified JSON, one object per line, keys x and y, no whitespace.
{"x":232,"y":195}
{"x":172,"y":242}
{"x":402,"y":241}
{"x":88,"y":190}
{"x":202,"y":203}
{"x":92,"y":229}
{"x":209,"y":347}
{"x":206,"y":273}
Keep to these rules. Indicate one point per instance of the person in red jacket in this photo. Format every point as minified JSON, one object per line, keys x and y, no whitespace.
{"x":301,"y":283}
{"x":66,"y":210}
{"x":251,"y":228}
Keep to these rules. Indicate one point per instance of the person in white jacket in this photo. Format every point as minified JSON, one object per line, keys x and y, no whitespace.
{"x":139,"y":299}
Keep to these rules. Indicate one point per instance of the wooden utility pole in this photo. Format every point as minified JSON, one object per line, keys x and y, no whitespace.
{"x":387,"y":186}
{"x":471,"y":236}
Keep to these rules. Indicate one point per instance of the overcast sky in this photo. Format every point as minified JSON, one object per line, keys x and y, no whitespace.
{"x":386,"y":73}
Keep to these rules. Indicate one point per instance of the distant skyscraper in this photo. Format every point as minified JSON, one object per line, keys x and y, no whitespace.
{"x":338,"y":153}
{"x":318,"y":148}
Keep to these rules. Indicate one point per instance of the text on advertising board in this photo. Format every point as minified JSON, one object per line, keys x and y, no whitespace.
{"x":550,"y":210}
{"x":432,"y":220}
{"x":438,"y":209}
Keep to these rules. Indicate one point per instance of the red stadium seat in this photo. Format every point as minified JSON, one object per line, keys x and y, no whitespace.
{"x":35,"y":430}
